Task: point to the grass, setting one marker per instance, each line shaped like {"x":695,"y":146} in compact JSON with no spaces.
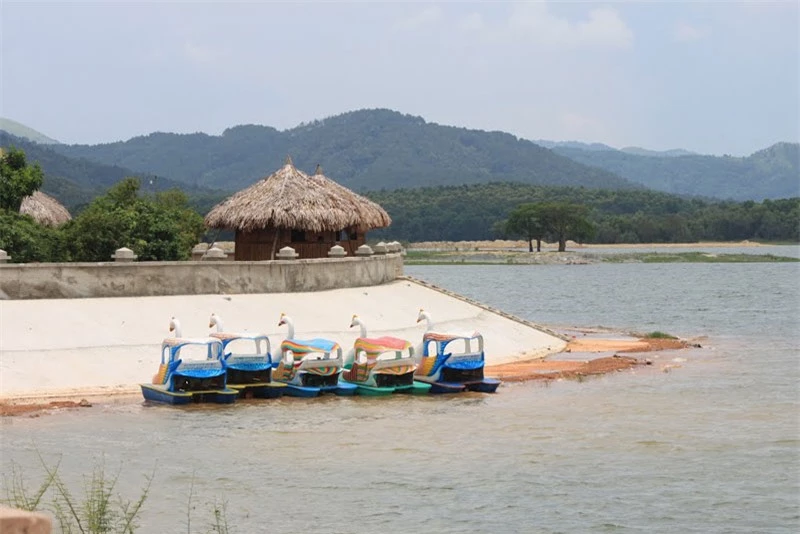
{"x":659,"y":335}
{"x":98,"y":508}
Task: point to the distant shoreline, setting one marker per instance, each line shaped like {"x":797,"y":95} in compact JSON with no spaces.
{"x":500,"y":244}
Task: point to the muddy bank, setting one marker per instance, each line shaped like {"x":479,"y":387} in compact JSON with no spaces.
{"x":554,"y":368}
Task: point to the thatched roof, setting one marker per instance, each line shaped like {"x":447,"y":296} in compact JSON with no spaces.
{"x":44,"y":209}
{"x":290,"y":198}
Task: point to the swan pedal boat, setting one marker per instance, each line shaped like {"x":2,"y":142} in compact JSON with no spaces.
{"x":310,"y":368}
{"x":250,"y":374}
{"x":382,"y":366}
{"x":460,"y":369}
{"x":183,"y":381}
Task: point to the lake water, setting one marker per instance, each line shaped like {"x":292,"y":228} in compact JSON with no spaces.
{"x":711,"y":446}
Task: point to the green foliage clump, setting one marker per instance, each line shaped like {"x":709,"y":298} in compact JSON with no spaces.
{"x":17,"y":179}
{"x":157,"y":227}
{"x":25,"y":240}
{"x":557,"y":220}
{"x":659,"y":335}
{"x":527,"y":220}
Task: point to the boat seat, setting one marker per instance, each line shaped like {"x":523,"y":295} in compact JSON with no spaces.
{"x":214,"y":365}
{"x":464,"y":363}
{"x":247,"y":363}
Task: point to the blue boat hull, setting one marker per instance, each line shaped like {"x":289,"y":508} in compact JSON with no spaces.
{"x":342,"y":389}
{"x":292,"y":390}
{"x":438,"y":388}
{"x":487,"y":385}
{"x":269,"y":390}
{"x":155,"y":393}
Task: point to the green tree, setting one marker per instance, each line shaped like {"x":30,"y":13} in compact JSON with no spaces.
{"x":526,"y":221}
{"x":17,"y":179}
{"x":563,"y":220}
{"x":25,"y":240}
{"x":160,"y":227}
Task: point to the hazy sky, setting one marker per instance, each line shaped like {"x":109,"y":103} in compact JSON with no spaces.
{"x":714,"y":77}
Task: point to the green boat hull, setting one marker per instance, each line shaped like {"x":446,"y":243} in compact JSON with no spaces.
{"x":373,"y":391}
{"x":417,"y":388}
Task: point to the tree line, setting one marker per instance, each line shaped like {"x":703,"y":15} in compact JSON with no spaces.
{"x":479,"y":212}
{"x":165,"y":225}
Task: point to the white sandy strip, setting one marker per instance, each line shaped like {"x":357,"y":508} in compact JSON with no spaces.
{"x":68,"y":347}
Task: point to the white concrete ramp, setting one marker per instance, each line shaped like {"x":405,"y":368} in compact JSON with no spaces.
{"x":106,"y":345}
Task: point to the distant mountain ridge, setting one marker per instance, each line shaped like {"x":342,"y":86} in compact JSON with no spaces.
{"x":594,"y":147}
{"x":25,"y":132}
{"x":383,"y":149}
{"x":75,"y":181}
{"x":771,"y":173}
{"x":363,"y":150}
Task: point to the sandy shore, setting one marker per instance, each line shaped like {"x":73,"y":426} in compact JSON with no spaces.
{"x":68,"y":349}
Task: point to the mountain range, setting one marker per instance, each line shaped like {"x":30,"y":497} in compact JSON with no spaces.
{"x":383,"y":149}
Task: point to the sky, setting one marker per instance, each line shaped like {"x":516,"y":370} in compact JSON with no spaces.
{"x":711,"y":77}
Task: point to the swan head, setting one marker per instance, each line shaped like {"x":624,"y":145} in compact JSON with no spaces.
{"x":282,"y":321}
{"x":354,"y":321}
{"x":422,"y":315}
{"x":213,"y":320}
{"x":173,"y":324}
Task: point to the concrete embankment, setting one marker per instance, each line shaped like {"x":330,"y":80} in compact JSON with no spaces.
{"x":79,"y":347}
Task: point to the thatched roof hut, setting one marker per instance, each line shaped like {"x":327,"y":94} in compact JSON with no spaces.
{"x":289,"y":207}
{"x":44,"y":209}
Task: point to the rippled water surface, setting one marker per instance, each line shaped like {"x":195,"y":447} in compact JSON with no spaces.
{"x":711,"y":446}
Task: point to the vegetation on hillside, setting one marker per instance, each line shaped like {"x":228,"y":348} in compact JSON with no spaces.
{"x":382,"y":149}
{"x":362,"y":150}
{"x":76,"y":181}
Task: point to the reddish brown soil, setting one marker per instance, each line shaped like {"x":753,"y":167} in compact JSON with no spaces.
{"x":623,"y":345}
{"x":34,"y":409}
{"x":554,"y":369}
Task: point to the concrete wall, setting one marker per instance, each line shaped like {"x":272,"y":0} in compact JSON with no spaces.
{"x":92,"y":280}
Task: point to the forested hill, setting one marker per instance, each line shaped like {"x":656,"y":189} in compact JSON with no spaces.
{"x":76,"y":181}
{"x":26,"y":132}
{"x":363,"y":150}
{"x":770,"y":173}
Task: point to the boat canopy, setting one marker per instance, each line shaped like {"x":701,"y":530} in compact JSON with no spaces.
{"x":450,"y":336}
{"x":299,"y":346}
{"x":230,"y":337}
{"x":172,"y":347}
{"x":381,"y":344}
{"x":464,"y":342}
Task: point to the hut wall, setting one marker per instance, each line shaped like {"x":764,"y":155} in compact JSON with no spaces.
{"x":260,"y":244}
{"x":255,"y":246}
